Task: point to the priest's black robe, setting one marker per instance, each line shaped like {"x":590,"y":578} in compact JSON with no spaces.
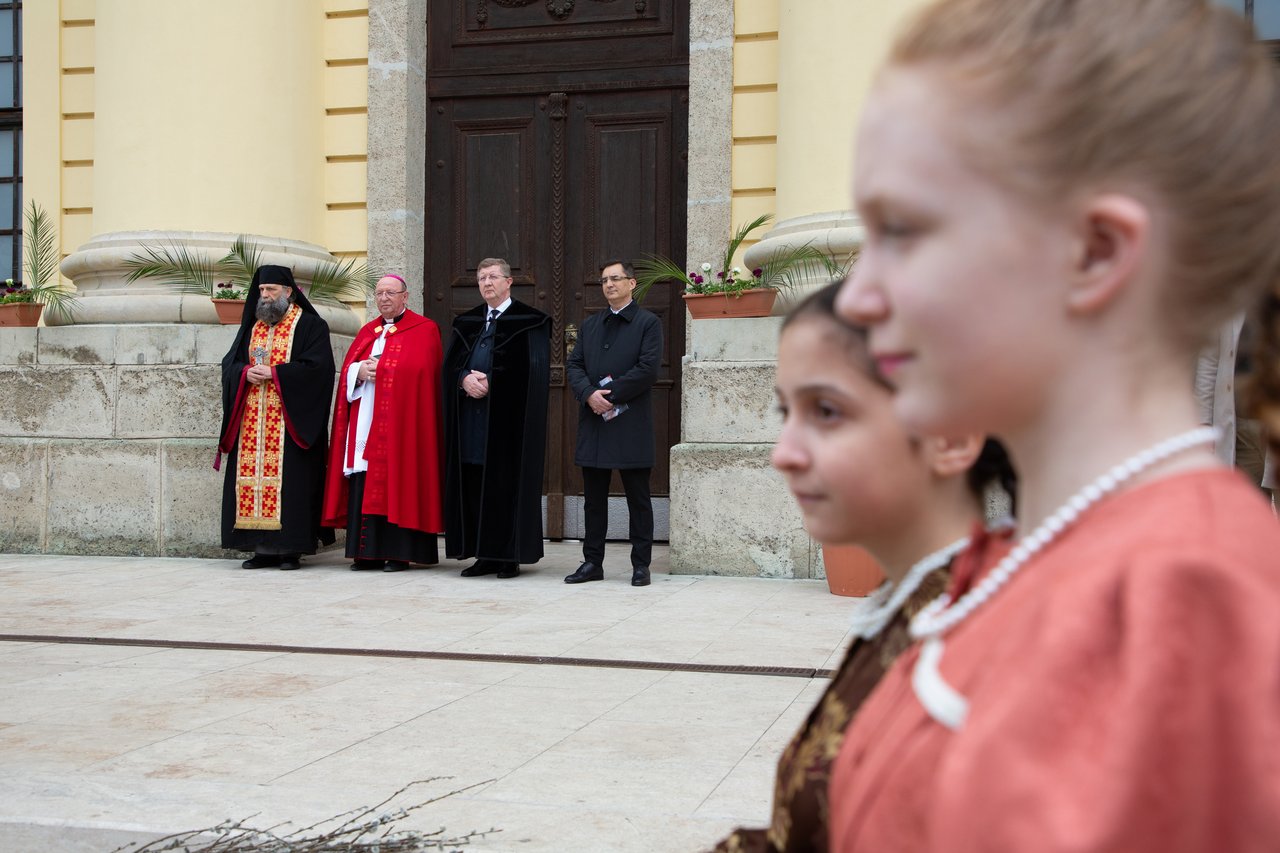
{"x":510,"y":424}
{"x":306,"y":390}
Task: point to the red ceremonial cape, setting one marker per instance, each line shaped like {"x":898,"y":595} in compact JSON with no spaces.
{"x":403,"y":481}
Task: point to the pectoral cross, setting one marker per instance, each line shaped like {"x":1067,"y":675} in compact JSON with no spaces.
{"x":259,"y":356}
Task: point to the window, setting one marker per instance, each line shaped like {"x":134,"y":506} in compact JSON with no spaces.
{"x":10,"y":140}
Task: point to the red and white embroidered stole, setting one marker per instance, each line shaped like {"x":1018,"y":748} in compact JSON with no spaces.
{"x":260,"y":458}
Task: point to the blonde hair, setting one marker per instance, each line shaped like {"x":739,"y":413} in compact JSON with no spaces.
{"x":1171,"y":98}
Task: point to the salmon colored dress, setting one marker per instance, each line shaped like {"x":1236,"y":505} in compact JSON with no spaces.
{"x":1123,"y":689}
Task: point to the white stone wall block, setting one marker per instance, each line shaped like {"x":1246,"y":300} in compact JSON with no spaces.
{"x":168,"y":402}
{"x":191,"y":506}
{"x":87,"y":345}
{"x":729,"y":403}
{"x":23,"y":493}
{"x":58,"y":401}
{"x":18,"y":345}
{"x":104,"y":497}
{"x":731,"y":514}
{"x":735,"y":339}
{"x":159,"y":343}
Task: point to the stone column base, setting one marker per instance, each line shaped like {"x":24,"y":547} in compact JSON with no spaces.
{"x":98,"y":271}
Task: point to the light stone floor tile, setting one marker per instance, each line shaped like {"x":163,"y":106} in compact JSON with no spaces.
{"x":571,"y":758}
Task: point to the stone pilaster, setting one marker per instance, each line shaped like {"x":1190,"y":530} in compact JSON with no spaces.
{"x":731,"y":513}
{"x":397,"y":139}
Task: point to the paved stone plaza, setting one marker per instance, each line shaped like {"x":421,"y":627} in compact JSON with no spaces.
{"x":101,"y":744}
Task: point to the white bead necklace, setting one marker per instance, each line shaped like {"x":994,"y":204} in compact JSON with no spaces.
{"x":941,"y":700}
{"x":888,"y":599}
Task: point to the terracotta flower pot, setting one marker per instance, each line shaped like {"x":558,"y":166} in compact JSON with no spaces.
{"x":230,"y":311}
{"x":748,"y":303}
{"x":20,"y":313}
{"x":851,"y":570}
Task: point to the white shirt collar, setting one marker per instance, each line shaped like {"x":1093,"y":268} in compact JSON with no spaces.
{"x":501,"y":308}
{"x":623,"y":308}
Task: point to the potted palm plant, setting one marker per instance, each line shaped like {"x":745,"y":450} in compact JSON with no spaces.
{"x":226,"y":280}
{"x":730,"y":291}
{"x":22,"y":302}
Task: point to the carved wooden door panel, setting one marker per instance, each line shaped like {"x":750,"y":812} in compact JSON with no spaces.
{"x":577,"y":158}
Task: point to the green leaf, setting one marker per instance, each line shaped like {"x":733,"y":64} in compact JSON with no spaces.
{"x":342,"y":281}
{"x":653,"y":269}
{"x":41,"y":263}
{"x":175,"y":266}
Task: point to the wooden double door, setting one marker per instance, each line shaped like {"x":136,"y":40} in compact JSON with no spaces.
{"x":547,"y":147}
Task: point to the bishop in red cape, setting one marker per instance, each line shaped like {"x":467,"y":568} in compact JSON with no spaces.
{"x":383,"y":483}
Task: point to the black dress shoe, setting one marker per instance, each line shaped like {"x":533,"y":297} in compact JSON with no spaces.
{"x":508,"y":570}
{"x":640,"y":576}
{"x":261,"y":561}
{"x":396,"y":566}
{"x":480,"y":567}
{"x":289,"y":562}
{"x":586,"y":572}
{"x":359,"y":565}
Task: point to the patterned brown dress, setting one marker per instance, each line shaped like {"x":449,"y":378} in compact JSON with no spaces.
{"x":800,"y":807}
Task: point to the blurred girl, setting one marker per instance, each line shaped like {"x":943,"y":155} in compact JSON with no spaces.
{"x":859,"y":477}
{"x":1063,"y":200}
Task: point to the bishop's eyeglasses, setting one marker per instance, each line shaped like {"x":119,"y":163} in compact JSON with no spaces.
{"x":605,"y":279}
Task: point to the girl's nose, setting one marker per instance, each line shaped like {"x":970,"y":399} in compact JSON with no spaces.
{"x":788,"y":453}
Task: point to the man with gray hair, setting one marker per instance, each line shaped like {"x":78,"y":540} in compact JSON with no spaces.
{"x":497,"y":373}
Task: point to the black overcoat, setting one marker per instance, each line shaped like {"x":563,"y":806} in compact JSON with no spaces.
{"x":628,"y":347}
{"x":510,"y":524}
{"x":306,"y":390}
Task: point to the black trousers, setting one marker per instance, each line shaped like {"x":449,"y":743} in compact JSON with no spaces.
{"x":595,"y":490}
{"x":472,"y":484}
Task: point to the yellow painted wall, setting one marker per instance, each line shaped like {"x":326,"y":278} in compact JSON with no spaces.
{"x":755,"y":110}
{"x":801,"y":70}
{"x":202,"y":48}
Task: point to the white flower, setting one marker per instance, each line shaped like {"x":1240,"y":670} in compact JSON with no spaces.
{"x":737,"y":271}
{"x":706,"y":267}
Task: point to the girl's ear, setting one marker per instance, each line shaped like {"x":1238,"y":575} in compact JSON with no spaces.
{"x":1115,"y":230}
{"x":949,"y":457}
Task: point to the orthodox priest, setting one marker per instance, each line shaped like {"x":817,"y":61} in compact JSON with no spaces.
{"x":496,"y":380}
{"x":277,"y":380}
{"x":384,"y":457}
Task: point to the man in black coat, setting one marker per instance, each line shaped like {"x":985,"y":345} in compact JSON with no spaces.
{"x":497,"y":374}
{"x":611,"y":371}
{"x":277,"y":382}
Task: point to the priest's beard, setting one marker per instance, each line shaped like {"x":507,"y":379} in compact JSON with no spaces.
{"x":272,"y":311}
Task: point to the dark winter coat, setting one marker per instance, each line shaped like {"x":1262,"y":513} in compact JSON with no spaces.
{"x":513,"y":417}
{"x":628,"y":347}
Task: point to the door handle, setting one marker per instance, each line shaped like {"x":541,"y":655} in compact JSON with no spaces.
{"x":570,"y":340}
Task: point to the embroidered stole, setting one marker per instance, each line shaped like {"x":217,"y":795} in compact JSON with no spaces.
{"x":260,"y":458}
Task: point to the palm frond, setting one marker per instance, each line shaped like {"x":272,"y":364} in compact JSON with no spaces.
{"x":652,"y":269}
{"x":739,"y":236}
{"x":335,"y":282}
{"x":41,"y":246}
{"x":41,"y":266}
{"x":175,"y":266}
{"x":241,"y":262}
{"x":798,"y":265}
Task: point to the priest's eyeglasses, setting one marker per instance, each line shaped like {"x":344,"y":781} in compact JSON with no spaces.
{"x":605,"y":279}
